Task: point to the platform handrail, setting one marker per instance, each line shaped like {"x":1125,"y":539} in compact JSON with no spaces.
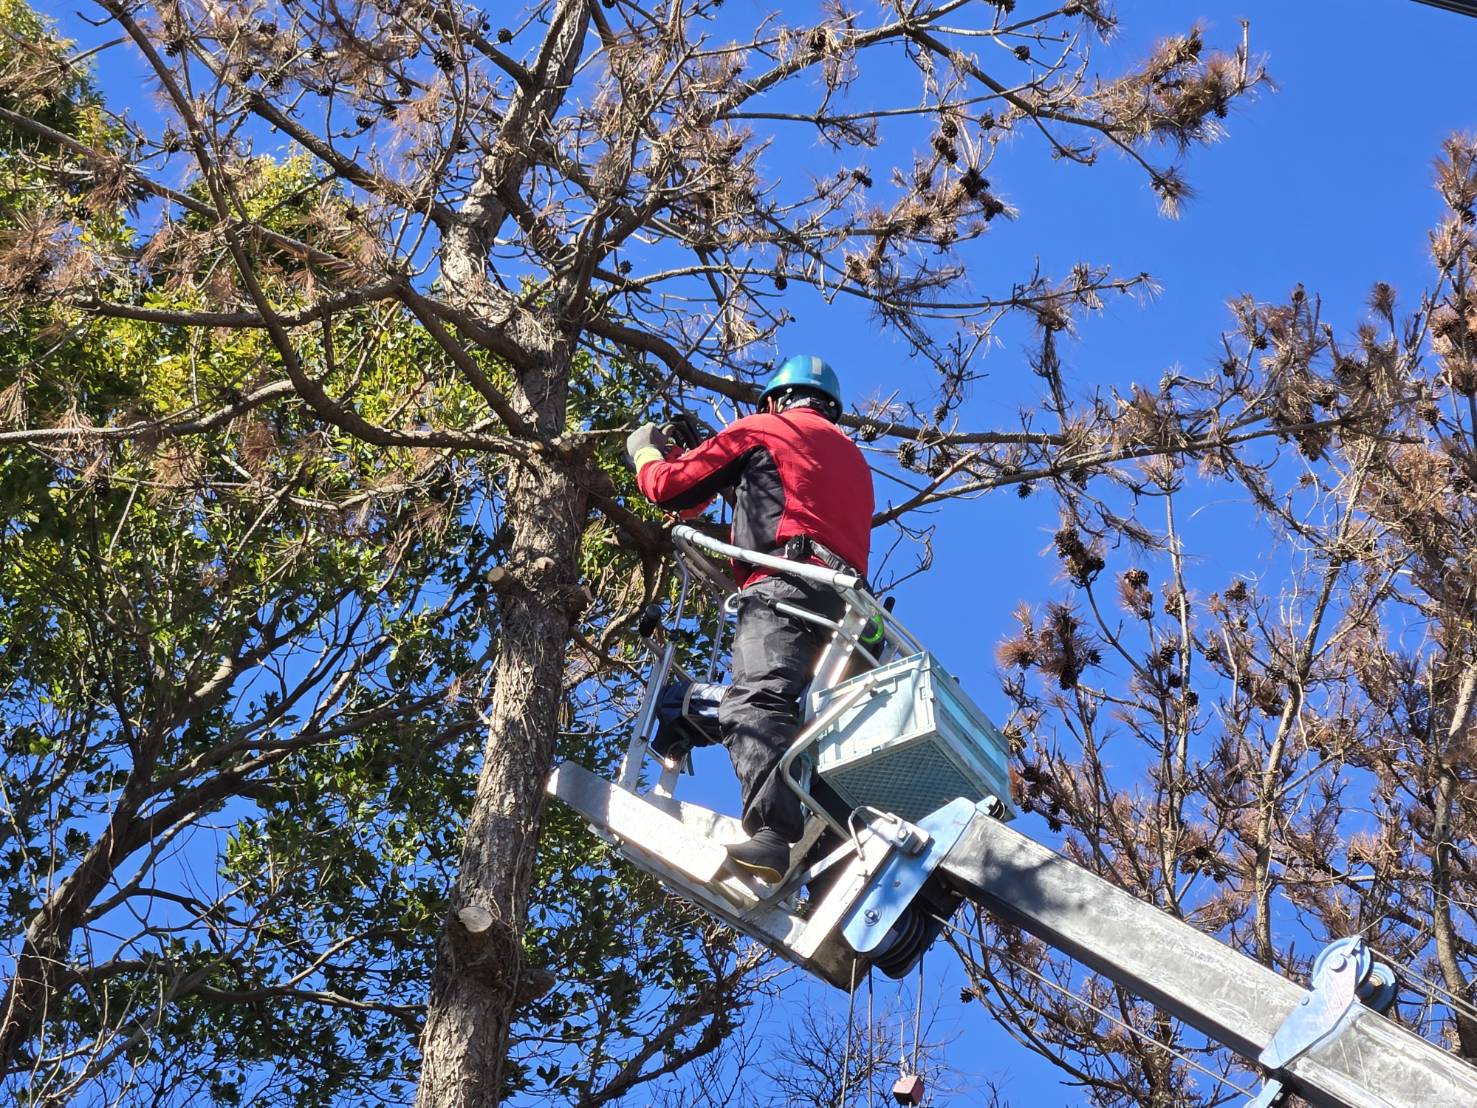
{"x":865,"y":686}
{"x":842,"y":582}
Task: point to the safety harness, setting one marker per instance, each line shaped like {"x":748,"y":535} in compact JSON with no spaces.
{"x":802,"y":548}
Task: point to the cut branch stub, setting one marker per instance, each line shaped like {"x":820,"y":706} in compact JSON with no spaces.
{"x":474,"y":919}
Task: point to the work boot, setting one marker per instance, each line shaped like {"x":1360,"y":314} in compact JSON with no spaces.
{"x":766,"y":855}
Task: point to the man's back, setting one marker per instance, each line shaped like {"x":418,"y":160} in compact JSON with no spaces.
{"x":794,"y":473}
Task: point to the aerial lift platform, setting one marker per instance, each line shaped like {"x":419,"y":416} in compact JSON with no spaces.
{"x":923,"y":776}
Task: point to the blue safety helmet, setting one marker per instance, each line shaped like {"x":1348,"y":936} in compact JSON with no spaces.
{"x":805,"y":371}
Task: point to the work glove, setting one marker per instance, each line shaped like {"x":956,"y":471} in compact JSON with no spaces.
{"x":648,"y":443}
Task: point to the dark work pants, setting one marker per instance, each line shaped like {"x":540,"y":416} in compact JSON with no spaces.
{"x":773,"y":656}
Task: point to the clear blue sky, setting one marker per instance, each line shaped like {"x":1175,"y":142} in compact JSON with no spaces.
{"x":1324,"y":182}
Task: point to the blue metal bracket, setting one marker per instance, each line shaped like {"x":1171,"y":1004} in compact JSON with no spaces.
{"x":903,"y":874}
{"x":1344,"y":975}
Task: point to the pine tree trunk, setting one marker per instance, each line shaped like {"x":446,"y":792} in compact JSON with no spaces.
{"x":475,"y":985}
{"x":474,"y":988}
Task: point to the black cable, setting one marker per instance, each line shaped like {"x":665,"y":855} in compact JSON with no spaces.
{"x":1461,"y":7}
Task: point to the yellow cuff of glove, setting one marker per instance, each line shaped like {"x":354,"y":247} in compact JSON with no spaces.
{"x":645,"y":456}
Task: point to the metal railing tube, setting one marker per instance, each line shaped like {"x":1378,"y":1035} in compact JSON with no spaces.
{"x":865,"y":684}
{"x":636,"y":749}
{"x":819,"y":574}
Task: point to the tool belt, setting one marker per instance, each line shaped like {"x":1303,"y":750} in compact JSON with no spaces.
{"x":802,"y":548}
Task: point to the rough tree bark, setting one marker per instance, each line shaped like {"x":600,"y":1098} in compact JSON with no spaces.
{"x":1443,"y":929}
{"x":474,"y":989}
{"x":475,"y":986}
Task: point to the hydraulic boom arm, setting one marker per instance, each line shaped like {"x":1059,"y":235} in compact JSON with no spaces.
{"x":1371,"y":1062}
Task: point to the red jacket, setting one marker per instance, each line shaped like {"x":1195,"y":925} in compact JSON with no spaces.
{"x":794,"y":473}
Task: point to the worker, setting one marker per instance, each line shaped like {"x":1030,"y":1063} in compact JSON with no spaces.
{"x":800,"y":489}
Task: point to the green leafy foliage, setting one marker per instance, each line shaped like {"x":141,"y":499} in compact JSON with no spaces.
{"x":237,"y":678}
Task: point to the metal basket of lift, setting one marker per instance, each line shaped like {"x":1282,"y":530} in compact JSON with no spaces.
{"x":911,"y":744}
